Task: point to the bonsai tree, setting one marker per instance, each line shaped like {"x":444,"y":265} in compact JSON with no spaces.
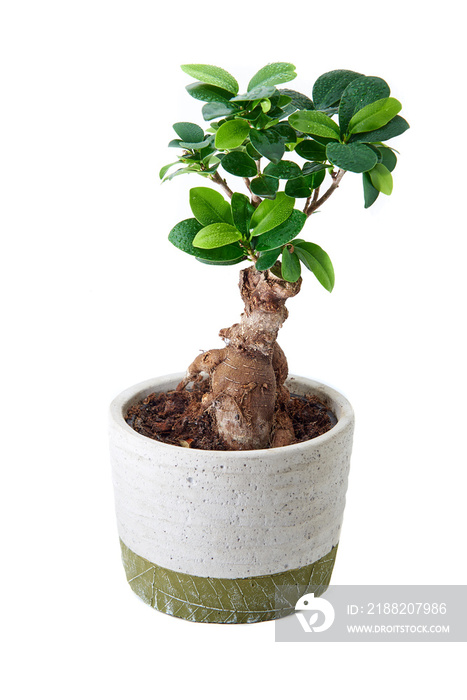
{"x":289,"y":153}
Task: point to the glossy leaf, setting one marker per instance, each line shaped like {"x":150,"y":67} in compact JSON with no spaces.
{"x":355,"y":157}
{"x":256,"y":93}
{"x":264,"y":186}
{"x":208,"y":93}
{"x":316,"y":260}
{"x":183,"y":233}
{"x":209,"y":206}
{"x":359,"y":93}
{"x":216,"y":235}
{"x":316,"y":123}
{"x":240,"y":164}
{"x":187,"y":131}
{"x":286,"y":132}
{"x":395,"y":127}
{"x":271,"y":212}
{"x":283,"y":170}
{"x":252,"y":152}
{"x":370,"y":193}
{"x":164,"y":170}
{"x":215,"y":110}
{"x":196,"y":145}
{"x":310,"y":168}
{"x":268,"y":143}
{"x":242,"y":211}
{"x":232,"y":134}
{"x":212,"y":75}
{"x":329,"y":87}
{"x":290,"y":268}
{"x":297,"y":101}
{"x":282,"y":234}
{"x":225,"y":255}
{"x":374,"y":115}
{"x":388,"y":158}
{"x":273,"y":74}
{"x":299,"y":187}
{"x":311,"y":150}
{"x":316,"y":179}
{"x":267,"y":259}
{"x":381,"y":179}
{"x":182,"y":171}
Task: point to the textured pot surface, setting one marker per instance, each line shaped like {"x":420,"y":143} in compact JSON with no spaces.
{"x":218,"y":515}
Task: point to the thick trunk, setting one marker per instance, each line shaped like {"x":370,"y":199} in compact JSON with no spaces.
{"x":247,"y":395}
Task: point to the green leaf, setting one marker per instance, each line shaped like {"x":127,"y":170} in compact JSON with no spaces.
{"x":252,"y":152}
{"x":388,"y":157}
{"x":359,"y":93}
{"x":316,"y":260}
{"x":232,"y":134}
{"x":282,"y":234}
{"x":381,"y":179}
{"x":312,"y":122}
{"x":283,"y":170}
{"x":355,"y":157}
{"x":242,"y":211}
{"x":310,"y":168}
{"x":216,"y":235}
{"x":298,"y":187}
{"x":268,"y":143}
{"x":311,"y":150}
{"x":225,"y":255}
{"x":286,"y":132}
{"x":257,"y":93}
{"x":273,"y":74}
{"x":329,"y":87}
{"x":374,"y":115}
{"x":166,"y":168}
{"x":209,"y":93}
{"x":195,"y":146}
{"x":209,"y":206}
{"x":297,"y":101}
{"x":265,"y":186}
{"x":239,"y":163}
{"x":370,"y":193}
{"x":183,"y":171}
{"x":215,"y":110}
{"x":183,"y":233}
{"x":290,"y":268}
{"x":212,"y":75}
{"x":187,"y":131}
{"x":267,"y":259}
{"x":317,"y":179}
{"x":271,"y":212}
{"x":395,"y":127}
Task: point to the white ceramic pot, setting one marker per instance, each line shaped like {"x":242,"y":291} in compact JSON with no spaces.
{"x":229,"y":536}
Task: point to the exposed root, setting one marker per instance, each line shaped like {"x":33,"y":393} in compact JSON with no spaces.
{"x":247,"y":377}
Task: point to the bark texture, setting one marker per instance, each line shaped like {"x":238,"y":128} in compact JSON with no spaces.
{"x":247,"y":394}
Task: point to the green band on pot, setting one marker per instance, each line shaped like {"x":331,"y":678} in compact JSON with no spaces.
{"x":235,"y":600}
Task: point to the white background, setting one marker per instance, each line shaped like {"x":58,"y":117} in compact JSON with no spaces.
{"x":95,"y":299}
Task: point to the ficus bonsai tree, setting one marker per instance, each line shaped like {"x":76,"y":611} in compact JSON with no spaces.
{"x":289,"y":153}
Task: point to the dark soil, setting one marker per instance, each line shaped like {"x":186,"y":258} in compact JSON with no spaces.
{"x":179,"y":418}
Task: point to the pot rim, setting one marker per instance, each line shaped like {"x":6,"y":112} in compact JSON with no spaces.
{"x":136,"y":392}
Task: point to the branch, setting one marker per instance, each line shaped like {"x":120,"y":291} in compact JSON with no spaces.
{"x":219,"y":181}
{"x":255,"y":200}
{"x":316,"y":203}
